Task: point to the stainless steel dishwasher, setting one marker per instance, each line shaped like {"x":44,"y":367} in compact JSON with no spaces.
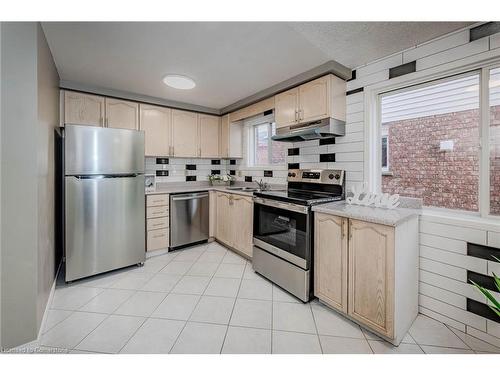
{"x":188,"y":218}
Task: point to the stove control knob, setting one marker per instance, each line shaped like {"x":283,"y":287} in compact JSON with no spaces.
{"x":292,"y":174}
{"x":331,"y":176}
{"x":337,"y":177}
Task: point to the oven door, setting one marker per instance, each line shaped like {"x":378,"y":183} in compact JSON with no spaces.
{"x":283,"y":229}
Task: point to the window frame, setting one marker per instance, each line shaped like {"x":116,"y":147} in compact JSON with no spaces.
{"x":385,"y":170}
{"x":373,"y":137}
{"x":250,"y":129}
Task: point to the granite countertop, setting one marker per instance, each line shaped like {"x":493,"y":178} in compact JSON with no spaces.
{"x":169,"y":188}
{"x":371,"y":214}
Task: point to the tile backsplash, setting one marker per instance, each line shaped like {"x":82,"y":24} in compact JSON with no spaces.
{"x":182,"y":170}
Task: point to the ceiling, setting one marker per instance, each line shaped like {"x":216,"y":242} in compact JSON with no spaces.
{"x":228,"y":60}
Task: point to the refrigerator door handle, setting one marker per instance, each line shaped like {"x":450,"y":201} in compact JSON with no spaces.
{"x":98,"y":176}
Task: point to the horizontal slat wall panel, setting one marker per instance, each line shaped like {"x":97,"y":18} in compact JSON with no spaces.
{"x":443,"y":295}
{"x":453,"y":54}
{"x":436,"y":46}
{"x":450,"y":231}
{"x":438,"y":242}
{"x":453,"y":312}
{"x":442,"y":318}
{"x":463,"y":261}
{"x":443,"y":269}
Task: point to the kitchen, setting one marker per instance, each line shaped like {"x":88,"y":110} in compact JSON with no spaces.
{"x":339,"y":205}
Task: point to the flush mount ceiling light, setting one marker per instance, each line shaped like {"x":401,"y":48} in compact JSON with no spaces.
{"x":179,"y":82}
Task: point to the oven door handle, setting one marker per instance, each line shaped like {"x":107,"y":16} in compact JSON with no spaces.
{"x":282,"y":205}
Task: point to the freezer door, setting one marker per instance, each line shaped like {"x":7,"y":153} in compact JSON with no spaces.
{"x":93,"y":150}
{"x":104,"y":224}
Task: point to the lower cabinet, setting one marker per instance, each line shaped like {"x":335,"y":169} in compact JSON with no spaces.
{"x":235,"y":221}
{"x":330,"y":260}
{"x":368,"y":272}
{"x":371,"y":275}
{"x":157,"y":222}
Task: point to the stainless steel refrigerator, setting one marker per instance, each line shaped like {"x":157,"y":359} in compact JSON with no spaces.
{"x":103,"y":199}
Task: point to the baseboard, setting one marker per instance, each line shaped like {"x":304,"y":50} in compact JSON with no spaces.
{"x":49,"y":303}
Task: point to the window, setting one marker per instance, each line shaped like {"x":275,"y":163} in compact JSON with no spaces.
{"x":494,"y":150}
{"x":262,"y":150}
{"x":433,"y":133}
{"x":385,"y":154}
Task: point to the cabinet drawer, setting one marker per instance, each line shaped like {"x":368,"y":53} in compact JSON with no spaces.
{"x":158,"y":223}
{"x":157,"y":200}
{"x":157,"y":239}
{"x":153,"y":212}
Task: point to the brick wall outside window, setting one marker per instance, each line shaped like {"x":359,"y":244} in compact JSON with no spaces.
{"x":443,"y":179}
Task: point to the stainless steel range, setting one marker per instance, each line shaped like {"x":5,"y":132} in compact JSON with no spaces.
{"x":283,"y":227}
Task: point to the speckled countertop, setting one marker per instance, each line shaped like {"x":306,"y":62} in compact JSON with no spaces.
{"x":372,"y":214}
{"x":186,"y":188}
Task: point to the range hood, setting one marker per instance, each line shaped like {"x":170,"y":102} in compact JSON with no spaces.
{"x":320,"y":129}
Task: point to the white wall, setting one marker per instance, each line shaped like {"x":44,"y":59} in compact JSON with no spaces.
{"x":29,"y":113}
{"x":443,"y":237}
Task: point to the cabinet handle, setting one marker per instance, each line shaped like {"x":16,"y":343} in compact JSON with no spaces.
{"x":350,"y":229}
{"x":343,"y":228}
{"x":300,"y":115}
{"x":101,"y":121}
{"x":159,"y":235}
{"x":173,"y":150}
{"x":295,"y":115}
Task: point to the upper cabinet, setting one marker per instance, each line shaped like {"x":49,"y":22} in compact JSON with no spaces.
{"x":321,"y":98}
{"x":83,"y":109}
{"x":286,"y":108}
{"x":156,"y":122}
{"x":185,"y":135}
{"x":252,"y":110}
{"x":231,"y":138}
{"x":209,"y":130}
{"x":122,"y":114}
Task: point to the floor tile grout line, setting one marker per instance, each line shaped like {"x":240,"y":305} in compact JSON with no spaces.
{"x":107,"y":317}
{"x":316,"y":328}
{"x":232,"y":310}
{"x":191,"y":314}
{"x":458,"y":337}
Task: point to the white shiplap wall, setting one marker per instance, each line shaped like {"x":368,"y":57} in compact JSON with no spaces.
{"x":443,"y":240}
{"x":348,"y":149}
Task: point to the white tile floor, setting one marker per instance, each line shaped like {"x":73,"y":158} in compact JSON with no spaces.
{"x":207,"y":299}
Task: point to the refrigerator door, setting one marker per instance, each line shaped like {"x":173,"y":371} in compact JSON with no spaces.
{"x":92,"y":150}
{"x":104,"y":224}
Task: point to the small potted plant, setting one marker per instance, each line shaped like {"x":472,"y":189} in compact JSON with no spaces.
{"x":494,"y":303}
{"x":220,"y":180}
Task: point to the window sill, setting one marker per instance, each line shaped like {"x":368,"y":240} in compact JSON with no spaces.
{"x":387,"y":173}
{"x":462,"y":218}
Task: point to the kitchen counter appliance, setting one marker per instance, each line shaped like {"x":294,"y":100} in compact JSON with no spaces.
{"x":103,"y":189}
{"x":283,"y":227}
{"x":189,"y":218}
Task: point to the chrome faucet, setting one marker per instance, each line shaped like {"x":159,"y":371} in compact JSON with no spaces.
{"x":263,"y":186}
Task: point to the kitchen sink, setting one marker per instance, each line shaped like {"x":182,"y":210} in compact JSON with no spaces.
{"x":242,"y":188}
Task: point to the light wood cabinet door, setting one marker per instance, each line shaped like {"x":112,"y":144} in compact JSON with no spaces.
{"x":224,"y":137}
{"x":83,"y":109}
{"x":157,"y":125}
{"x":286,"y":106}
{"x":122,"y":114}
{"x":185,"y":141}
{"x":330,"y":260}
{"x":224,"y":226}
{"x":242,"y":221}
{"x":314,"y":100}
{"x":371,"y":276}
{"x":236,"y":140}
{"x":209,"y":130}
